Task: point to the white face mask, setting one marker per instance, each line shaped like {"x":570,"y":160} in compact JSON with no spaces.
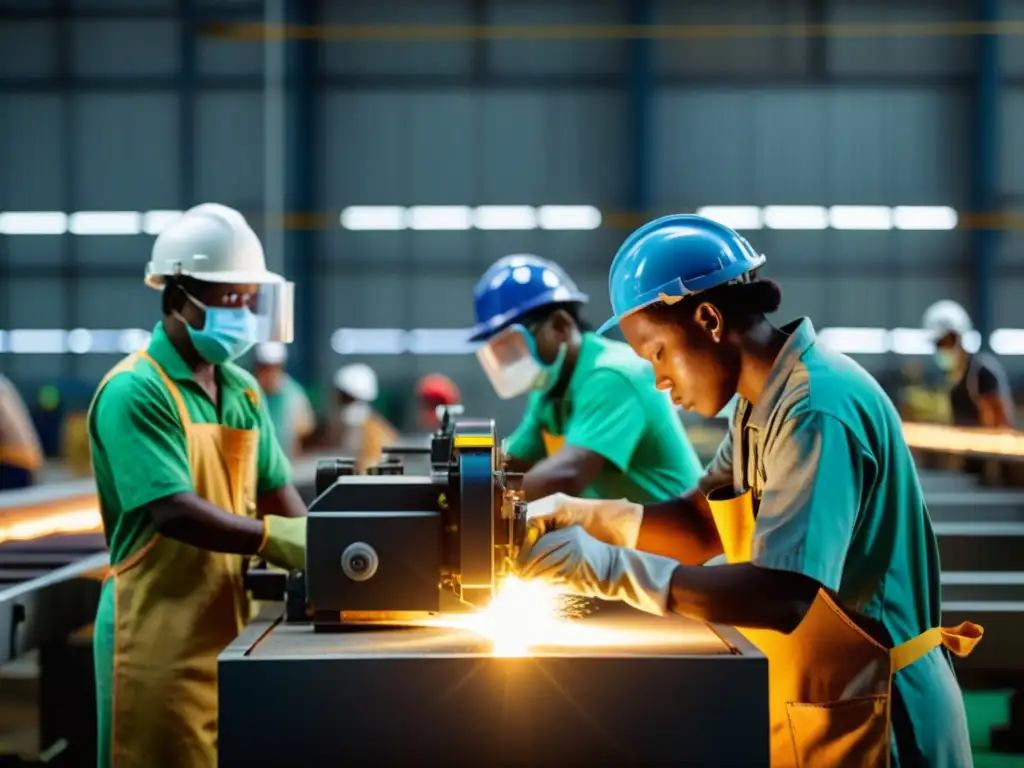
{"x":355,"y":413}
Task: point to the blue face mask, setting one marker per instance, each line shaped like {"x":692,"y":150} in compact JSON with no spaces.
{"x":551,"y":374}
{"x":946,"y":359}
{"x":226,"y":335}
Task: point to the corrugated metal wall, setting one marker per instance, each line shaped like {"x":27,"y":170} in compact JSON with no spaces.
{"x":90,"y":119}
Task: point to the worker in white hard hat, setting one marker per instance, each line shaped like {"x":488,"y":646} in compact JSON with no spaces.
{"x":358,"y":428}
{"x":979,"y":392}
{"x":191,"y":481}
{"x":289,"y":406}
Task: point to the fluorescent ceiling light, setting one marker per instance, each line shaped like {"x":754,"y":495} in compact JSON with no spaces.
{"x":875,"y":217}
{"x":33,"y":223}
{"x":734,"y":216}
{"x":154,"y":222}
{"x":856,"y":341}
{"x":505,"y":217}
{"x":795,"y":217}
{"x":104,"y":223}
{"x":924,"y":217}
{"x":569,"y":217}
{"x":439,"y":217}
{"x":379,"y":217}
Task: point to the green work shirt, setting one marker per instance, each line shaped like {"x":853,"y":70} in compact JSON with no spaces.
{"x":139,"y":451}
{"x":612,"y":408}
{"x":838,"y":499}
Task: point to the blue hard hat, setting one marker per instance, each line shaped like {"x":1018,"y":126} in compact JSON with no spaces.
{"x":674,"y":256}
{"x":516,"y":285}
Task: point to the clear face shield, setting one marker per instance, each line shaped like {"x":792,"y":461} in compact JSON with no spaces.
{"x":266,"y":314}
{"x":509,"y":358}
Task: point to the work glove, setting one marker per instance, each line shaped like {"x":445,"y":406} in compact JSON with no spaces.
{"x":284,"y":542}
{"x":573,"y":559}
{"x":614,"y":521}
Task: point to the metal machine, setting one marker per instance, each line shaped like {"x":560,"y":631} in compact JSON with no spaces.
{"x":387,"y":543}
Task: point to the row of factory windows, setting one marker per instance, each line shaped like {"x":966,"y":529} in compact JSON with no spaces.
{"x":506,"y":218}
{"x":453,"y":341}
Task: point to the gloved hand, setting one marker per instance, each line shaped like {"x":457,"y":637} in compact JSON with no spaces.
{"x":613,"y":521}
{"x":573,"y":559}
{"x":284,"y":541}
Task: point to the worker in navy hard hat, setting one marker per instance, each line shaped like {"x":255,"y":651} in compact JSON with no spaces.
{"x":432,"y":392}
{"x":190,"y":481}
{"x":594,"y":425}
{"x":357,"y":428}
{"x":832,"y":566}
{"x":288,"y":404}
{"x":979,"y":394}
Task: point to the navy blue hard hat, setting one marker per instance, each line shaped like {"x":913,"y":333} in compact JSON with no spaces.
{"x":516,"y":285}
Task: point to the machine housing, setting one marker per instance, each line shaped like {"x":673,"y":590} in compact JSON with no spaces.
{"x":388,"y":543}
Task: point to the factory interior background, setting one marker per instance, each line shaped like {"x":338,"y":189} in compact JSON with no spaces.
{"x":387,"y":153}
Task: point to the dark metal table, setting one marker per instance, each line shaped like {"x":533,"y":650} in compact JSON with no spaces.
{"x":682,"y":692}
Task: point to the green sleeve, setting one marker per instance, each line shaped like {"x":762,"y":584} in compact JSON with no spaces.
{"x":137,"y":429}
{"x":526,"y":442}
{"x":272,"y":468}
{"x":608,"y":418}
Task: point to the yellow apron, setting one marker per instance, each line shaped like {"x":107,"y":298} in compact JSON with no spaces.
{"x":176,"y":608}
{"x":552,"y":443}
{"x":377,"y":434}
{"x":830,"y":683}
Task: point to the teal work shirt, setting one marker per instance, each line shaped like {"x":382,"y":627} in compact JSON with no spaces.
{"x":838,"y":499}
{"x":612,"y":408}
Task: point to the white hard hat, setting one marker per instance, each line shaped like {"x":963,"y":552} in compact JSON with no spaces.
{"x":357,"y":380}
{"x":210,"y":242}
{"x":271,"y":353}
{"x":946,"y":316}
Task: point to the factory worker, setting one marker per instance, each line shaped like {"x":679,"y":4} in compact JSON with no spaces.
{"x":979,"y":392}
{"x":287,"y":402}
{"x":432,"y":392}
{"x":594,"y":424}
{"x":190,"y":480}
{"x":21,"y":453}
{"x":358,"y":429}
{"x":832,"y":565}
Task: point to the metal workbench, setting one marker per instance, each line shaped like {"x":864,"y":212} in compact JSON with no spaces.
{"x":291,"y":696}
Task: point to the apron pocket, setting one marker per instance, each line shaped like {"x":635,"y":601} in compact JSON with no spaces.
{"x":853,"y":733}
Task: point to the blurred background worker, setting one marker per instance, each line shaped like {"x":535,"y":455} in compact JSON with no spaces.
{"x":185,"y":462}
{"x":357,"y":428}
{"x":21,"y":454}
{"x":433,"y":391}
{"x":289,"y":406}
{"x":594,"y":424}
{"x":813,"y":498}
{"x":979,"y":394}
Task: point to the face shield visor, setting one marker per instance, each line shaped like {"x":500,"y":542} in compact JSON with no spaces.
{"x":509,"y":358}
{"x":265,"y":315}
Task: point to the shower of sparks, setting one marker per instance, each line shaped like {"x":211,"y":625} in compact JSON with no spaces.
{"x":525,"y":615}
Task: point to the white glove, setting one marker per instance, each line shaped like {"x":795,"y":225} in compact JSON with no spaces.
{"x":575,"y":560}
{"x":614,"y":521}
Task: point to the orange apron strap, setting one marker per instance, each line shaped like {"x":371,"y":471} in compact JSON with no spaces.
{"x":186,"y":420}
{"x":960,"y":640}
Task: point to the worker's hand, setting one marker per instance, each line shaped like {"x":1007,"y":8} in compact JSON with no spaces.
{"x":614,"y":521}
{"x":284,"y":542}
{"x":573,"y":559}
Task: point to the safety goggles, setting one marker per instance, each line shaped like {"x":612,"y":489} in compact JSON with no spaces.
{"x":267,"y":312}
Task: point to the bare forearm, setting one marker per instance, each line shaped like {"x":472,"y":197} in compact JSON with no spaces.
{"x":284,"y":501}
{"x":192,"y":520}
{"x":570,"y":471}
{"x":742,"y":595}
{"x":681,"y":529}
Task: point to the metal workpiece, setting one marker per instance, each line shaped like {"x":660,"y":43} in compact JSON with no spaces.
{"x":659,"y":691}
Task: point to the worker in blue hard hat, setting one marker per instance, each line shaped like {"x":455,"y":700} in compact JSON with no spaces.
{"x":832,"y":567}
{"x":594,"y":424}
